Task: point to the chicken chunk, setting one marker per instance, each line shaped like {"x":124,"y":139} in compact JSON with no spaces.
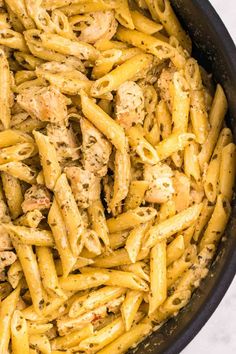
{"x":164,"y":85}
{"x":44,"y":103}
{"x":36,"y":197}
{"x":96,"y":149}
{"x":160,"y":181}
{"x":98,"y":25}
{"x":65,"y":143}
{"x":84,"y":184}
{"x":6,"y":259}
{"x":129,"y":104}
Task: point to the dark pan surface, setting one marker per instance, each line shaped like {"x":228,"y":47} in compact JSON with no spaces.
{"x":216,"y":51}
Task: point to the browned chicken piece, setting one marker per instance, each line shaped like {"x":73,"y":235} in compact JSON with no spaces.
{"x":84,"y":184}
{"x":44,"y":103}
{"x":36,"y":197}
{"x":129,"y":105}
{"x":6,"y":259}
{"x":65,"y":143}
{"x":160,"y":181}
{"x":98,"y":25}
{"x":181,"y":185}
{"x":164,"y":85}
{"x":96,"y":149}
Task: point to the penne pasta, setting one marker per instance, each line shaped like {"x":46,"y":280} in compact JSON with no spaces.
{"x":118,"y":257}
{"x":125,"y":341}
{"x":98,"y":221}
{"x":163,"y":11}
{"x":103,"y":122}
{"x":10,"y":137}
{"x":13,"y":39}
{"x":141,"y":146}
{"x":123,"y":14}
{"x":19,"y":333}
{"x":167,"y":210}
{"x":134,"y":241}
{"x":40,"y":342}
{"x":57,"y":225}
{"x":139,"y":268}
{"x":164,"y":119}
{"x":172,"y":225}
{"x":175,"y":250}
{"x":227,"y":170}
{"x":37,"y":328}
{"x":136,"y":194}
{"x":15,"y":274}
{"x":51,"y":167}
{"x":83,"y":8}
{"x":30,"y":236}
{"x":72,"y":339}
{"x":203,"y":219}
{"x":5,"y":91}
{"x":130,"y":306}
{"x":181,"y":104}
{"x":146,"y":42}
{"x":119,"y":278}
{"x":30,"y":268}
{"x":121,"y":180}
{"x":70,"y":213}
{"x":198,"y":113}
{"x":117,"y":171}
{"x":217,"y":222}
{"x":13,"y":194}
{"x":211,"y":179}
{"x":48,"y":271}
{"x":131,"y":219}
{"x":120,"y":74}
{"x":17,"y":152}
{"x":30,"y":219}
{"x":174,"y":142}
{"x":94,"y":299}
{"x":83,"y":281}
{"x":158,"y":285}
{"x":144,"y":24}
{"x":216,"y":117}
{"x":104,"y":336}
{"x":19,"y":170}
{"x":191,"y":163}
{"x":7,"y":308}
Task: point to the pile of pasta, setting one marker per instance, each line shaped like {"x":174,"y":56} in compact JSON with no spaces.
{"x":117,"y":172}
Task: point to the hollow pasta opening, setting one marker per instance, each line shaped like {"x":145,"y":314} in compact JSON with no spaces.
{"x":102,"y":85}
{"x":161,"y":5}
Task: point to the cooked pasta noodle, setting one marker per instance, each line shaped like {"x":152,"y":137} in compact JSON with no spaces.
{"x":117,"y":172}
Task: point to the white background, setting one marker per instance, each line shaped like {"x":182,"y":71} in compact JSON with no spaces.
{"x":218,"y":336}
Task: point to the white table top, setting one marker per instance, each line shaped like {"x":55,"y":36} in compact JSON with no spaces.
{"x":218,"y":336}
